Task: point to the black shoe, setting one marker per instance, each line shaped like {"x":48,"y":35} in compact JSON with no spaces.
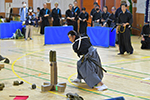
{"x":120,"y":54}
{"x":131,"y":53}
{"x":1,"y":58}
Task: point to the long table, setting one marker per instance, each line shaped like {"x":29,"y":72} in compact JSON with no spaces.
{"x":57,"y":34}
{"x":101,"y":36}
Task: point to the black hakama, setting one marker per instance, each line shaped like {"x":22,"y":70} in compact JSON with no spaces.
{"x":124,"y":36}
{"x":45,"y":21}
{"x":71,"y":14}
{"x":76,"y":10}
{"x":88,"y":66}
{"x":56,"y":14}
{"x":83,"y":25}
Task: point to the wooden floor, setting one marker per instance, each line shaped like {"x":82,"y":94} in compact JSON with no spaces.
{"x":128,"y":75}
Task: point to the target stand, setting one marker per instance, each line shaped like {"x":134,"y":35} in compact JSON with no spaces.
{"x":53,"y":85}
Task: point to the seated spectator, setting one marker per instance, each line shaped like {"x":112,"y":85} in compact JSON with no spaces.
{"x":145,"y":37}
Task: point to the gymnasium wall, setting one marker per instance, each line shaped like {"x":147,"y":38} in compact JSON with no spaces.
{"x":138,"y":15}
{"x":2,"y":8}
{"x":63,"y":4}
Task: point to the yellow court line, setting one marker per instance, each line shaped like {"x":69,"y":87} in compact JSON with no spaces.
{"x":69,"y":79}
{"x":27,"y":81}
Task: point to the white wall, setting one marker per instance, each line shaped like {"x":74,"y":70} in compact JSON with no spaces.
{"x":63,"y":4}
{"x":38,"y":3}
{"x":2,"y":5}
{"x":18,"y":3}
{"x":141,"y":4}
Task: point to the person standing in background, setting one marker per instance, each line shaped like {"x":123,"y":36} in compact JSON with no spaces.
{"x":44,"y":15}
{"x":125,"y":18}
{"x":37,"y":16}
{"x":83,"y":17}
{"x":118,"y":11}
{"x":70,"y":16}
{"x":105,"y":15}
{"x":23,"y":11}
{"x":92,"y":12}
{"x":97,"y":17}
{"x":76,"y":10}
{"x":30,"y":18}
{"x":56,"y":15}
{"x":111,"y":20}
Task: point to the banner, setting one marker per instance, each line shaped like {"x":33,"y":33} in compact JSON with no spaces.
{"x":147,"y":11}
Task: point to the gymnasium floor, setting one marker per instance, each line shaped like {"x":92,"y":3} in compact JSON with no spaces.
{"x":128,"y":75}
